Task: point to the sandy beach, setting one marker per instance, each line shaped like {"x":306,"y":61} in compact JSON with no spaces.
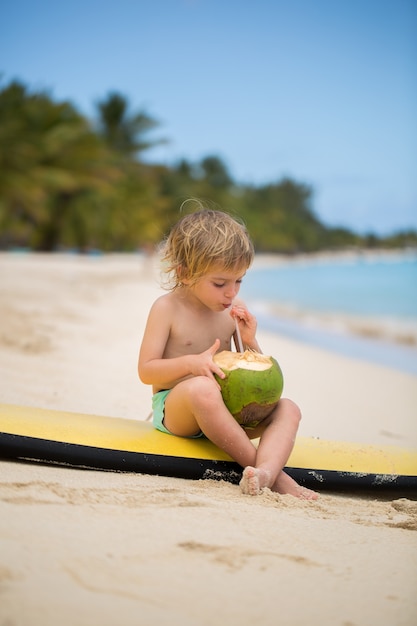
{"x":81,"y":547}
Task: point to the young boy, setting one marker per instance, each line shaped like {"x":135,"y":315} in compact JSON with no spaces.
{"x":206,"y":256}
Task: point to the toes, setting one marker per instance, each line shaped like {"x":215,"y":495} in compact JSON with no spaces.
{"x":250,"y":482}
{"x":308,"y":494}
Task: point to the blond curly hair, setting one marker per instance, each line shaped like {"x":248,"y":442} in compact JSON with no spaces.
{"x":202,"y":240}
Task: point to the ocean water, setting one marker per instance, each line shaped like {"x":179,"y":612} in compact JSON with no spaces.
{"x":363,"y":305}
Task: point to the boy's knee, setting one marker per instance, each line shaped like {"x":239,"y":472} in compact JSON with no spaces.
{"x":291,"y":409}
{"x":204,"y":388}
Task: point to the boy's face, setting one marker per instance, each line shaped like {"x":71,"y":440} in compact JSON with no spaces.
{"x":217,"y":289}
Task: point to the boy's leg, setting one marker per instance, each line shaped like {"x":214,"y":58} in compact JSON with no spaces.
{"x":278,"y":438}
{"x":275,"y":447}
{"x":196,"y":404}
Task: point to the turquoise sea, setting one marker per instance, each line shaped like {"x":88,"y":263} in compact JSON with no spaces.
{"x":360,"y":305}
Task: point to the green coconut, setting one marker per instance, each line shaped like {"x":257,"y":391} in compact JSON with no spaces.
{"x":253,"y":384}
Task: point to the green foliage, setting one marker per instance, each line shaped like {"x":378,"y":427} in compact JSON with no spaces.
{"x":124,"y":132}
{"x":279,"y":217}
{"x":50,"y":159}
{"x":67,"y":184}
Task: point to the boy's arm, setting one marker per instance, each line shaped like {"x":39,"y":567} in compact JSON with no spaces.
{"x":162,"y":372}
{"x":247,"y":326}
{"x":153,"y":369}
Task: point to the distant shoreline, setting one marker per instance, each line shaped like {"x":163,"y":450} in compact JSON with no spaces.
{"x":336,"y":331}
{"x":371,"y":327}
{"x":382,"y":339}
{"x":264,"y":260}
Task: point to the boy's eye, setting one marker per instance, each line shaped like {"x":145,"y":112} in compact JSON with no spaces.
{"x":238,"y":282}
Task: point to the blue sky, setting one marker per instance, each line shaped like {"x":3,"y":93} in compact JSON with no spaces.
{"x":322,"y":91}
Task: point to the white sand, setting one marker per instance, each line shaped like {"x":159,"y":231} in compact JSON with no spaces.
{"x":83,"y":547}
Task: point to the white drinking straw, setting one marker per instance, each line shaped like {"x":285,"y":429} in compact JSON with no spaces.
{"x":239,"y":338}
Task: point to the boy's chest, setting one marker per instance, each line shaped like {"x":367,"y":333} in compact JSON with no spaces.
{"x":193,"y":335}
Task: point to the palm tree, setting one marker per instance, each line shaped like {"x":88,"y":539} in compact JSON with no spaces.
{"x":123,"y":131}
{"x":49,"y":158}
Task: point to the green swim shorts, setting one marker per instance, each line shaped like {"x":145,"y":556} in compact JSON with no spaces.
{"x":158,"y":413}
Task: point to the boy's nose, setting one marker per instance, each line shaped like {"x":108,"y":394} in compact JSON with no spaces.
{"x":231,"y":292}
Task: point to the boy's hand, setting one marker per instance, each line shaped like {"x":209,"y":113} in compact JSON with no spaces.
{"x":203,"y":364}
{"x":247,"y":324}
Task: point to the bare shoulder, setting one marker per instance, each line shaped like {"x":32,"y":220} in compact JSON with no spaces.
{"x":164,"y":303}
{"x":162,"y":312}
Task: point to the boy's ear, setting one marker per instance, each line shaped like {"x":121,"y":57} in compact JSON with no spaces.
{"x":182,"y":275}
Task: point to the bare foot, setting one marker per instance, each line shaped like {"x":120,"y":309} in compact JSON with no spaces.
{"x":284,"y":484}
{"x":254,"y":479}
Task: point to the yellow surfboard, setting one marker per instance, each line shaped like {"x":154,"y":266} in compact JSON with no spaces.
{"x":118,"y":444}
